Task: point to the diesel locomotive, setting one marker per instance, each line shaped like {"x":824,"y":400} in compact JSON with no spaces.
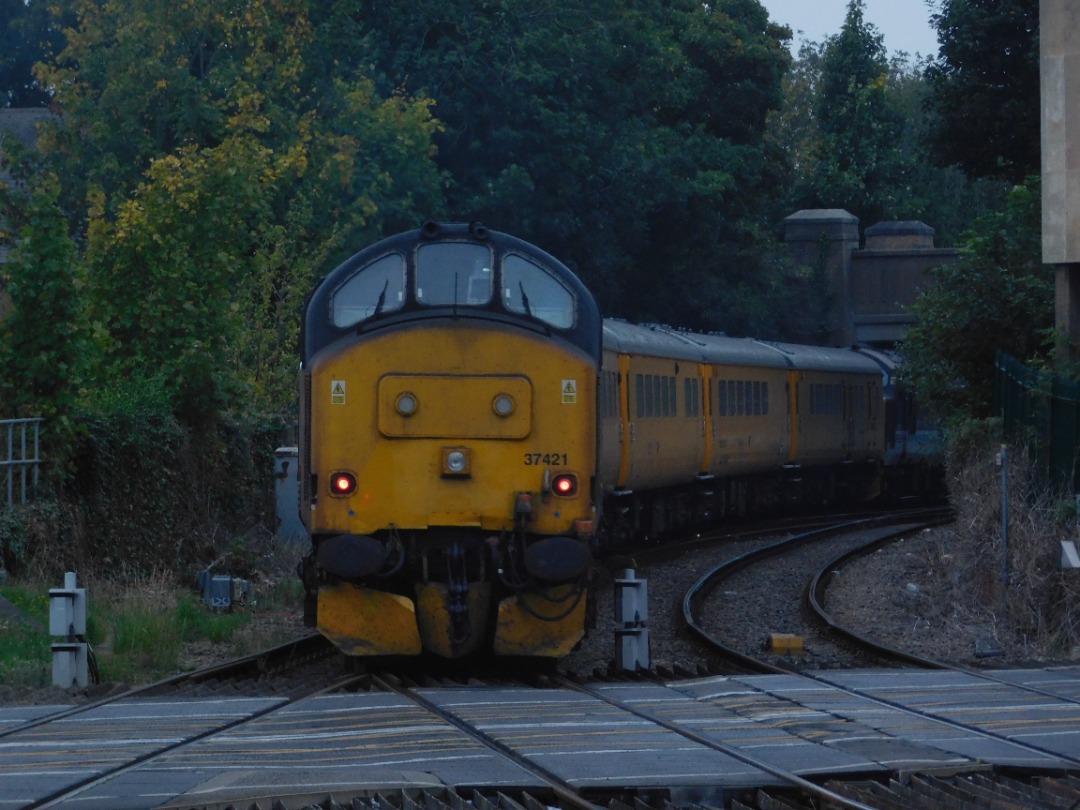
{"x":472,"y":433}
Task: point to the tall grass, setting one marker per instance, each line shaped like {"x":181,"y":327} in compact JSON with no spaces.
{"x":25,"y":658}
{"x":138,"y":629}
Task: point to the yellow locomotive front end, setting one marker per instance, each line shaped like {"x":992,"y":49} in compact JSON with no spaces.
{"x":448,"y":448}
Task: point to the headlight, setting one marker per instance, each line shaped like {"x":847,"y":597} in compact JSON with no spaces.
{"x":456,"y":462}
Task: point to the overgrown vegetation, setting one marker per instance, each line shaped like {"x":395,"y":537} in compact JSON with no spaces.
{"x":141,"y":491}
{"x":1008,"y":583}
{"x":998,"y":295}
{"x":142,"y":628}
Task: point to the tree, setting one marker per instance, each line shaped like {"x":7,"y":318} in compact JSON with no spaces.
{"x":626,"y":138}
{"x":944,"y":197}
{"x":912,"y":188}
{"x":42,"y":335}
{"x":997,"y":295}
{"x":27,"y":36}
{"x":218,"y":174}
{"x":985,"y":87}
{"x":850,"y":158}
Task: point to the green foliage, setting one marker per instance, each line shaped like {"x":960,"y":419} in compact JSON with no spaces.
{"x":626,"y":138}
{"x":137,"y":629}
{"x":143,"y":491}
{"x":41,"y":337}
{"x":219,"y":173}
{"x":998,"y":295}
{"x":146,"y":641}
{"x":903,"y":184}
{"x":222,"y":158}
{"x":25,"y":649}
{"x":849,"y":128}
{"x":23,"y":530}
{"x":26,"y":36}
{"x":164,"y":268}
{"x":985,"y":87}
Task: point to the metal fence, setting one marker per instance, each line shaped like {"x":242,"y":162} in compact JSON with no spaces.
{"x":1042,"y":410}
{"x":23,"y":460}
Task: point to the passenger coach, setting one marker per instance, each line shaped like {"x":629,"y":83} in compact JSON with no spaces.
{"x":695,"y":426}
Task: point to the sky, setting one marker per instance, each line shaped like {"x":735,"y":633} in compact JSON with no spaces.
{"x":905,"y":24}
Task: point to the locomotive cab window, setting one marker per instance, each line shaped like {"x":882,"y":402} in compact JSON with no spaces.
{"x":528,"y":289}
{"x":378,"y":287}
{"x":453,"y":274}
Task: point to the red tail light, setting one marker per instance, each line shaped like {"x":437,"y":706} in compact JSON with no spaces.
{"x":565,"y":484}
{"x":342,"y":483}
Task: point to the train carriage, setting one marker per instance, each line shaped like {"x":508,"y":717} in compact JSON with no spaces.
{"x":472,"y":432}
{"x":713,"y":425}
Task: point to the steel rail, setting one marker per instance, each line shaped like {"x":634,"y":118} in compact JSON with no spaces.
{"x":566,"y":793}
{"x":816,"y":598}
{"x":788,"y":777}
{"x":72,"y":791}
{"x":709,"y":581}
{"x":259,"y":663}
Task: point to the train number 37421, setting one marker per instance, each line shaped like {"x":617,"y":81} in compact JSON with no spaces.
{"x":546,"y":459}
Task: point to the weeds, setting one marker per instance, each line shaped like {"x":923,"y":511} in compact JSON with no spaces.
{"x":1003,"y":552}
{"x":24,"y":641}
{"x":139,"y":628}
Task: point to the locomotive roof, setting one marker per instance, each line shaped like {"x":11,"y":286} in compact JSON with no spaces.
{"x":320,"y":328}
{"x":664,"y":341}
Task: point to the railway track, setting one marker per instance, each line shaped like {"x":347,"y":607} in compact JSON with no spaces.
{"x":519,"y":748}
{"x":280,"y":670}
{"x":743,"y":621}
{"x":486,"y":742}
{"x":502,"y":740}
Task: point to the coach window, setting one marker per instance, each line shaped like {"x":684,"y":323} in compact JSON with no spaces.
{"x":528,"y":289}
{"x":691,"y":404}
{"x":378,"y":287}
{"x":453,"y":274}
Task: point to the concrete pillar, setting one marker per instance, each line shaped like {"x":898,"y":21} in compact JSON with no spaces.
{"x":828,"y":235}
{"x":1059,"y":20}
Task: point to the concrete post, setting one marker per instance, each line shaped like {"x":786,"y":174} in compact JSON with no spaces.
{"x":67,"y":621}
{"x":631,"y":622}
{"x":1059,"y":20}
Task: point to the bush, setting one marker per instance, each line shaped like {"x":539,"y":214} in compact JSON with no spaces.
{"x":142,"y":492}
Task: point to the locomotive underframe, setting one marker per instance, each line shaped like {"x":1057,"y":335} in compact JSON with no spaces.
{"x":454,"y":591}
